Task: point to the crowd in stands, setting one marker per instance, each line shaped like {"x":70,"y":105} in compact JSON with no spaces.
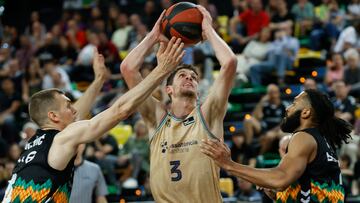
{"x":271,"y":39}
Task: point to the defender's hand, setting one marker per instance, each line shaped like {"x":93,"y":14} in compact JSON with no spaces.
{"x":170,"y":56}
{"x":218,"y":151}
{"x":99,"y":67}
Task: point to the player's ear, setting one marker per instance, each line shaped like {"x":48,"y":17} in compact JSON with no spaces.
{"x":53,"y":116}
{"x":168,"y":89}
{"x":306,"y":113}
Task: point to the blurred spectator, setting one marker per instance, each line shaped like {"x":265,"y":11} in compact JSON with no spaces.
{"x":281,"y":16}
{"x":109,"y":51}
{"x":329,"y":22}
{"x":356,"y":179}
{"x":5,"y":56}
{"x":303,"y":11}
{"x":136,"y":151}
{"x":68,"y":53}
{"x":34,"y":17}
{"x":354,"y":10}
{"x":37,"y":35}
{"x":15,"y":73}
{"x":349,"y":38}
{"x":113,"y":14}
{"x":310,"y":84}
{"x":254,"y":52}
{"x":104,"y":152}
{"x":280,"y":56}
{"x":266,"y":117}
{"x":25,"y":52}
{"x":55,"y":77}
{"x":352,"y":70}
{"x":10,"y":101}
{"x":28,"y":130}
{"x":89,"y":184}
{"x":347,"y":173}
{"x":120,"y":36}
{"x":32,"y":80}
{"x":334,"y":69}
{"x":86,"y":54}
{"x":246,"y":192}
{"x":344,"y":104}
{"x":150,"y":14}
{"x":210,"y":7}
{"x":76,"y":36}
{"x":50,"y":46}
{"x":239,"y":152}
{"x":251,"y":20}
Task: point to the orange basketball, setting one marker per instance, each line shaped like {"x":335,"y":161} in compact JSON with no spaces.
{"x":183,"y":20}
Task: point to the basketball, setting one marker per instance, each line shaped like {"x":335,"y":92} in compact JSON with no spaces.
{"x":183,"y":20}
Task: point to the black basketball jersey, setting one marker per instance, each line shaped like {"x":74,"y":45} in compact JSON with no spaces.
{"x":321,"y":180}
{"x":33,"y":179}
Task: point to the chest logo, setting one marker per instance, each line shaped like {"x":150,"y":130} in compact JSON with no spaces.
{"x":164,"y":146}
{"x":189,"y":121}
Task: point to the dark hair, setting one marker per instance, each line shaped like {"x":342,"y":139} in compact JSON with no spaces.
{"x":40,"y":103}
{"x":336,"y":130}
{"x":170,"y":79}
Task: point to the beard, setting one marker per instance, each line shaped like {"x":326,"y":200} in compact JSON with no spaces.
{"x":290,"y":123}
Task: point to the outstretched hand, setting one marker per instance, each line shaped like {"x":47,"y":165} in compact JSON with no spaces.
{"x":217,"y":150}
{"x":156,"y":30}
{"x":99,"y":67}
{"x":170,"y":55}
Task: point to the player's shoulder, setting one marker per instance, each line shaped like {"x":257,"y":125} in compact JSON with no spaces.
{"x":302,"y":139}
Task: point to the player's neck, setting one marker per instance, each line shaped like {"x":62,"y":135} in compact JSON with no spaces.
{"x":181,"y":107}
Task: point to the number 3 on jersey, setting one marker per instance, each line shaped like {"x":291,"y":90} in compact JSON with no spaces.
{"x":176,"y":174}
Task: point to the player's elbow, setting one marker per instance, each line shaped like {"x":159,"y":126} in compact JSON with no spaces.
{"x":281,"y":183}
{"x":230,"y":65}
{"x":123,"y":111}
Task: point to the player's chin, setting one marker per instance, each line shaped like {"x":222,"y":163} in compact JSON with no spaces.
{"x":188,"y":92}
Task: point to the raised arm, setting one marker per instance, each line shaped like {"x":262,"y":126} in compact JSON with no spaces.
{"x":220,"y":90}
{"x":85,"y":102}
{"x":130,"y":69}
{"x":302,"y":149}
{"x":85,"y":131}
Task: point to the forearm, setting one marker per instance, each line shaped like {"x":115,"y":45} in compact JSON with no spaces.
{"x":266,"y":178}
{"x":222,"y":51}
{"x":131,"y":65}
{"x":133,"y":98}
{"x":85,"y":102}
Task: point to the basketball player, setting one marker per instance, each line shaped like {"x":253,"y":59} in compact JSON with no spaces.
{"x":179,"y":172}
{"x":44,"y":170}
{"x":309,"y":171}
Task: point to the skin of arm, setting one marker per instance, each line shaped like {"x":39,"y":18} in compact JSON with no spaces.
{"x":66,"y":141}
{"x":130,"y":69}
{"x":215,"y":105}
{"x":85,"y":102}
{"x":302,"y":150}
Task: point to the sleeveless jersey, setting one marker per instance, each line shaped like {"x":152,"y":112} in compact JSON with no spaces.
{"x":321,"y":180}
{"x":179,"y":171}
{"x":33,"y":179}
